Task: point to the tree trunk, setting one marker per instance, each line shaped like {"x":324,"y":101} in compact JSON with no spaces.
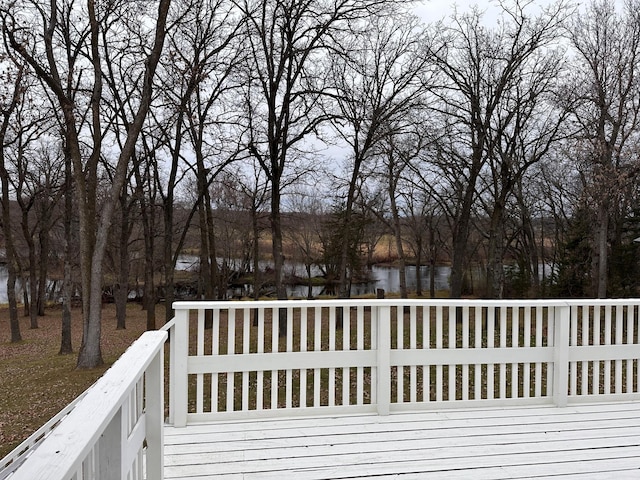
{"x":344,"y":287}
{"x":459,"y":259}
{"x":66,"y":346}
{"x":309,"y":283}
{"x":14,"y":322}
{"x":121,"y":293}
{"x":149,"y":294}
{"x":462,"y":226}
{"x":31,"y":286}
{"x":495,"y":269}
{"x":418,"y":265}
{"x":602,"y":233}
{"x":205,"y":286}
{"x":397,"y":230}
{"x":43,"y":266}
{"x":432,"y":261}
{"x":90,"y":353}
{"x":256,"y":254}
{"x":149,"y":298}
{"x":169,"y":293}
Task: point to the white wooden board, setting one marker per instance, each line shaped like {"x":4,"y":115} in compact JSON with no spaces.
{"x":579,"y":442}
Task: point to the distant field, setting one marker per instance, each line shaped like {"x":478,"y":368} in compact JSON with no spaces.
{"x":36,"y":382}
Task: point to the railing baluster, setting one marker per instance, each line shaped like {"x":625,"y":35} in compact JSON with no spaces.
{"x":231,"y":349}
{"x":373,"y":325}
{"x":526,"y":343}
{"x":465,"y":346}
{"x":246,"y":348}
{"x":317,"y":346}
{"x":383,"y":370}
{"x":360,"y":347}
{"x":275,"y":337}
{"x":538,"y":367}
{"x":180,"y":380}
{"x":561,"y":355}
{"x":346,"y":345}
{"x":451,"y":345}
{"x":585,"y":342}
{"x":629,"y":361}
{"x":200,"y":351}
{"x":413,"y":343}
{"x":573,"y":366}
{"x":332,"y":347}
{"x":215,"y":351}
{"x":154,"y":411}
{"x":260,"y":386}
{"x":491,"y":319}
{"x":303,"y":348}
{"x":400,"y":347}
{"x":618,"y":341}
{"x":477,"y":343}
{"x":636,"y":321}
{"x":503,"y":344}
{"x":607,"y":342}
{"x":515,"y":343}
{"x":289,"y":371}
{"x":439,"y":340}
{"x":596,"y":342}
{"x":426,"y":345}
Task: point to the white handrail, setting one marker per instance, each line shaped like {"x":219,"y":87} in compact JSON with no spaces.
{"x":105,"y":435}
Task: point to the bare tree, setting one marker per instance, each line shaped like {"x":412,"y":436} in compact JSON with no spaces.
{"x":61,"y":69}
{"x":378,"y":80}
{"x":480,"y":69}
{"x":287,"y":42}
{"x":10,"y":100}
{"x":193,"y":80}
{"x":607,"y":93}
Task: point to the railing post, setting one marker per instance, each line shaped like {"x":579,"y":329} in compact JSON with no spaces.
{"x":180,"y":387}
{"x":154,"y":411}
{"x":383,"y":370}
{"x":562,"y":316}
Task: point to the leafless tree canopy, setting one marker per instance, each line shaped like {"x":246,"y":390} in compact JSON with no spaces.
{"x":156,"y":150}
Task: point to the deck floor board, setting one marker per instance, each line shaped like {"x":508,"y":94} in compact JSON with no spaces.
{"x":578,"y":442}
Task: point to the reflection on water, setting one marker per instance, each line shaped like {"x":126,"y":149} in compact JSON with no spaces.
{"x":388,"y":279}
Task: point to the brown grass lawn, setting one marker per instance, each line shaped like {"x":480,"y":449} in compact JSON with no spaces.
{"x":36,"y":382}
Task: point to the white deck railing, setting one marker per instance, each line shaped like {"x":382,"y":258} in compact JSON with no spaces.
{"x":228,"y":360}
{"x":353,"y":356}
{"x":111,"y":432}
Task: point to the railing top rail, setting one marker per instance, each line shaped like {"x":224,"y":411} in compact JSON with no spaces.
{"x":392,"y":302}
{"x":76,"y":434}
{"x":167,"y":326}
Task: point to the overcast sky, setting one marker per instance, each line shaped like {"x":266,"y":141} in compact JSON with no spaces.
{"x":434,"y":10}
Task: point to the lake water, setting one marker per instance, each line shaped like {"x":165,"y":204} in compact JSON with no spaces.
{"x":384,"y":277}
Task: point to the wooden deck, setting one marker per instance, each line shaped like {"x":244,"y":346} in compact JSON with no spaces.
{"x":578,"y":442}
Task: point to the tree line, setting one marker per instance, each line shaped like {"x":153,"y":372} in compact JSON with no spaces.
{"x":134,"y":131}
